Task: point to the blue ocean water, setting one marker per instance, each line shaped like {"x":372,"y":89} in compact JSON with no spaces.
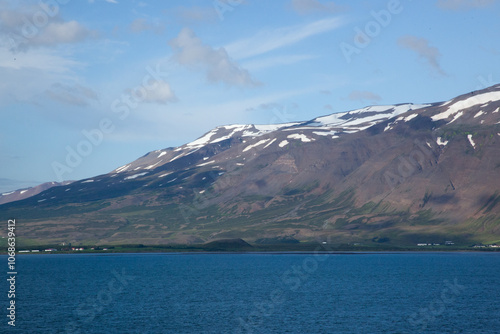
{"x":256,"y":293}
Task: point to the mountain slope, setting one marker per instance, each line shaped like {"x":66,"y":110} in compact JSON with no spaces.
{"x":19,"y":194}
{"x":396,"y":174}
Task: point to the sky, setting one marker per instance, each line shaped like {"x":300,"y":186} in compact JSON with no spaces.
{"x":87,"y":86}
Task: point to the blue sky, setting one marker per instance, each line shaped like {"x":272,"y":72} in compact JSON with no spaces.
{"x":88,"y":86}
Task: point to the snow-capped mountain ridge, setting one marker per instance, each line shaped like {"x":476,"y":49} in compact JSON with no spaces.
{"x":331,"y":125}
{"x":392,"y":172}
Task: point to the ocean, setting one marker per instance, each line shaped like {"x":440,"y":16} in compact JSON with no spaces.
{"x":255,"y":293}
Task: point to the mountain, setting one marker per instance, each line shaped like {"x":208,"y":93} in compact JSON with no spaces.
{"x":8,"y":185}
{"x":392,"y":175}
{"x":22,"y":193}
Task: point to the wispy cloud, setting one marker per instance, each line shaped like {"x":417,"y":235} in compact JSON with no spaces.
{"x":464,"y":4}
{"x":141,"y":24}
{"x":76,"y":94}
{"x":422,"y":48}
{"x":269,"y":40}
{"x":304,"y":7}
{"x":190,"y":51}
{"x":358,"y":95}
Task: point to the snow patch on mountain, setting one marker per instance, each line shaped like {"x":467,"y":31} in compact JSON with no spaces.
{"x":471,"y":141}
{"x":131,"y":177}
{"x":205,"y":163}
{"x":122,"y":168}
{"x":328,"y":133}
{"x":441,"y":142}
{"x":479,"y":114}
{"x":469,"y":102}
{"x":302,"y":137}
{"x":260,"y":142}
{"x":272,"y":141}
{"x":152,"y":166}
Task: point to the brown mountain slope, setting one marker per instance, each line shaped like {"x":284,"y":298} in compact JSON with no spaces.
{"x":395,"y":174}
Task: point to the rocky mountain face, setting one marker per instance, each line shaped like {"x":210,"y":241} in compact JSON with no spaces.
{"x":397,"y":174}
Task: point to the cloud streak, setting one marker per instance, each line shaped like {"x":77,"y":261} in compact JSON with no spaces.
{"x":422,"y":48}
{"x":269,"y":40}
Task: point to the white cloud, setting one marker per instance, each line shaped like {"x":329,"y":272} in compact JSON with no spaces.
{"x":464,"y":4}
{"x":304,"y":7}
{"x":422,"y":48}
{"x":269,"y":40}
{"x":61,"y":33}
{"x":160,"y":93}
{"x":19,"y":31}
{"x":190,"y":51}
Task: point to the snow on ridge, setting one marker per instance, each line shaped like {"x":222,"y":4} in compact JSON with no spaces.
{"x":474,"y":100}
{"x":383,"y":111}
{"x":87,"y":181}
{"x":471,"y":141}
{"x":283,"y":143}
{"x":273,"y":127}
{"x":162,"y":154}
{"x":203,"y":140}
{"x":23,"y":191}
